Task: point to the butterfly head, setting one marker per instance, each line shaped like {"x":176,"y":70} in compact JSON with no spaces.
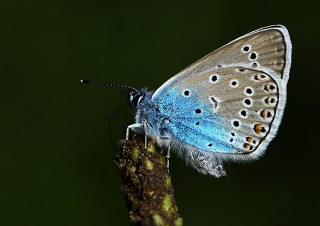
{"x":135,"y":96}
{"x":139,"y":97}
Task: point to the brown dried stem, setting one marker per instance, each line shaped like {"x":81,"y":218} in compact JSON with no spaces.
{"x":147,"y":185}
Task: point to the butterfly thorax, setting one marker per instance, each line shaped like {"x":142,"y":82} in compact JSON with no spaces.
{"x":149,"y":112}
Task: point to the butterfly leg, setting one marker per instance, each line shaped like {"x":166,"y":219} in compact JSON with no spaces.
{"x":133,"y":127}
{"x":168,"y":158}
{"x":141,"y":125}
{"x":144,"y":123}
{"x":167,"y":142}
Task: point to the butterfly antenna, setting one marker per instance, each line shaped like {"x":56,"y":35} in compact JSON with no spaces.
{"x":108,"y":84}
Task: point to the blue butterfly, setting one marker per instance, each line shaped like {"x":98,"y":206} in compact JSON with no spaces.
{"x":226,"y":106}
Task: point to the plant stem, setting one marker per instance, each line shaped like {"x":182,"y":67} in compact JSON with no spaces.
{"x":147,"y":185}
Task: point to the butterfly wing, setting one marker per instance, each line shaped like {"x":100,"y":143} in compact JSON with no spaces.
{"x":266,"y":49}
{"x":231,"y":101}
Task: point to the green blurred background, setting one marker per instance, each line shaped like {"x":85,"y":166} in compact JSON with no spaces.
{"x":56,"y":155}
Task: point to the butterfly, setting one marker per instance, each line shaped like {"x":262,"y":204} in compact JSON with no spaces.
{"x":226,"y":106}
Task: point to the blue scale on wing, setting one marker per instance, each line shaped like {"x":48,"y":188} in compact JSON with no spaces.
{"x":194,"y":123}
{"x":165,"y":103}
{"x":206,"y":136}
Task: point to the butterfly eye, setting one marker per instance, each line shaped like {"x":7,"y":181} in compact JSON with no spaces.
{"x":134,"y":98}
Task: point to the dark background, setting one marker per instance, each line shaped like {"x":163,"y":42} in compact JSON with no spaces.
{"x":56,"y":155}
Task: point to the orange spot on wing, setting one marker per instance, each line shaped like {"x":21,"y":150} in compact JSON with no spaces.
{"x":246,"y":146}
{"x":257,"y":128}
{"x":263,"y":113}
